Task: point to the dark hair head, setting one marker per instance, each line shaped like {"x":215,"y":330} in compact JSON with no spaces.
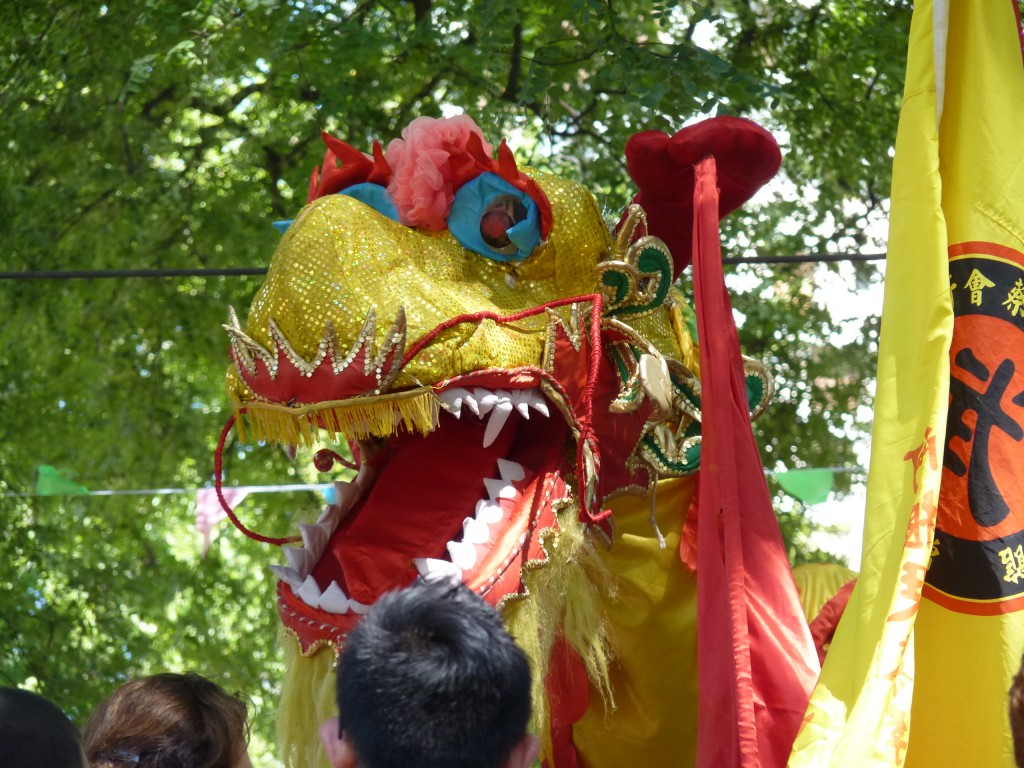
{"x":34,"y":732}
{"x":431,"y":679}
{"x":167,"y":721}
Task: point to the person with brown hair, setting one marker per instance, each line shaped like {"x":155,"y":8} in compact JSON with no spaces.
{"x":35,"y":732}
{"x":169,"y":721}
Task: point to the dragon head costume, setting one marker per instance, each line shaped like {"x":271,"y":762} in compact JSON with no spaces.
{"x":514,"y":379}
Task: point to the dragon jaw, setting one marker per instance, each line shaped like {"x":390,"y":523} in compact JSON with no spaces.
{"x":406,"y":515}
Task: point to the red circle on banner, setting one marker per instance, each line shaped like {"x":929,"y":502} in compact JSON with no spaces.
{"x":977,"y":564}
{"x":991,"y":341}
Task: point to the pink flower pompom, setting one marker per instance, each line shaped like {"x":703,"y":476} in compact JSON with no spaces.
{"x":429,"y":163}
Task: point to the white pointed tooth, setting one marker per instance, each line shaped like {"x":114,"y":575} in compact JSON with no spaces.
{"x":498,"y":418}
{"x":314,"y":537}
{"x":309,"y":592}
{"x":540,"y":405}
{"x":510,"y":470}
{"x":357,"y":608}
{"x":487,"y":400}
{"x":453,"y":398}
{"x":288,"y":575}
{"x":431,"y":568}
{"x":489,"y":511}
{"x":299,"y":559}
{"x":325,"y":516}
{"x":334,"y":599}
{"x":499,"y":489}
{"x":346,"y":495}
{"x":505,"y":397}
{"x":462,"y":553}
{"x":455,"y":393}
{"x":475,"y":531}
{"x":521,"y":401}
{"x":470,"y":402}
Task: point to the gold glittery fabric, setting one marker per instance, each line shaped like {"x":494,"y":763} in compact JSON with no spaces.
{"x":340,"y":259}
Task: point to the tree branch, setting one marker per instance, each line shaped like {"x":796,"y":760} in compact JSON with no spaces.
{"x":421,"y":11}
{"x":515,"y":65}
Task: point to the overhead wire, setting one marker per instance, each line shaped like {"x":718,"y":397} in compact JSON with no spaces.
{"x":99,"y":274}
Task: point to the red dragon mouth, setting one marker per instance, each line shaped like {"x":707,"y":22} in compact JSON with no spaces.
{"x":466,"y":487}
{"x":407,"y":515}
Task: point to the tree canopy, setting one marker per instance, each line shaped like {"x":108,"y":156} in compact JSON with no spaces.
{"x":172,"y":133}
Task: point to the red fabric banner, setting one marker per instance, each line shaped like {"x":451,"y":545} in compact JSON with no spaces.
{"x":756,"y":660}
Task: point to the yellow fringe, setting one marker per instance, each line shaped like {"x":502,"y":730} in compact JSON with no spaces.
{"x":357,"y":417}
{"x":563,"y":595}
{"x":689,"y":353}
{"x":307,"y":699}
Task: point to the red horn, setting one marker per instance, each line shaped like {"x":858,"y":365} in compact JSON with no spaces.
{"x":355,"y":168}
{"x":381,"y":173}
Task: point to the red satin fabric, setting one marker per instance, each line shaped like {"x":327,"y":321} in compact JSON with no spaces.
{"x":756,"y":660}
{"x":662,"y":167}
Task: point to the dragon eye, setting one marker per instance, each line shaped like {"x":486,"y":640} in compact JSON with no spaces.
{"x":494,"y":219}
{"x":503,"y":213}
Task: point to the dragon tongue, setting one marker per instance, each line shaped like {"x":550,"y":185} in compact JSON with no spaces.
{"x":417,"y":504}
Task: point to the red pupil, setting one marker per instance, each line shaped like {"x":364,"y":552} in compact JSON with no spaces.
{"x":494,"y":225}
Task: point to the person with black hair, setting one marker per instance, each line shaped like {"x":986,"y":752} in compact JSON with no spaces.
{"x":34,"y":732}
{"x":431,"y":679}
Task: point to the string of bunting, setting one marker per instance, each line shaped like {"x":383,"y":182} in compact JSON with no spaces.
{"x":94,"y":274}
{"x":51,"y":481}
{"x":811,"y":485}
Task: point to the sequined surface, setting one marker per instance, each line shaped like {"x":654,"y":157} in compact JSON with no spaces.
{"x":341,"y":259}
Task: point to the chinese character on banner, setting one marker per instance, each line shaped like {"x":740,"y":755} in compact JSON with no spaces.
{"x":976,"y":283}
{"x":1015,"y":298}
{"x":1013,"y":559}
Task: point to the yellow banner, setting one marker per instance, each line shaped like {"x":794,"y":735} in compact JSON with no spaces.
{"x":923,"y":681}
{"x":970,"y":627}
{"x":859,"y":713}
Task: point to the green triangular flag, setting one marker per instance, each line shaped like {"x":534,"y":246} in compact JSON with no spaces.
{"x":51,"y":482}
{"x":811,"y":486}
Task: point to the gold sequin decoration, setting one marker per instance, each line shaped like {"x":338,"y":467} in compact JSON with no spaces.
{"x":341,"y":260}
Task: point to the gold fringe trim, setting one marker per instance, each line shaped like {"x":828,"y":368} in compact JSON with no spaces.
{"x":564,"y":595}
{"x":307,"y":699}
{"x":357,"y":417}
{"x":689,"y":354}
